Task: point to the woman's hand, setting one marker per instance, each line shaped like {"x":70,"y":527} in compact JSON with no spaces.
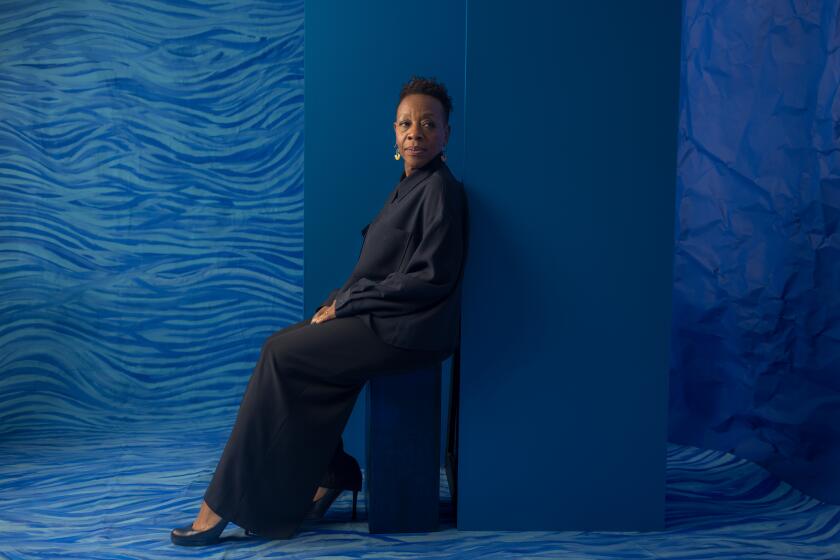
{"x":324,"y":314}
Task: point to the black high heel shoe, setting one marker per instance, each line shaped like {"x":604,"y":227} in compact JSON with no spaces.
{"x":319,"y":508}
{"x":322,"y":504}
{"x":187,"y":536}
{"x":344,"y":474}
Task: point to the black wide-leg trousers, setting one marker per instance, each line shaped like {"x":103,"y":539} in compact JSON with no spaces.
{"x":289,"y":425}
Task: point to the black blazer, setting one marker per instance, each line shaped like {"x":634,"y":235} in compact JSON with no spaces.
{"x":406,"y":284}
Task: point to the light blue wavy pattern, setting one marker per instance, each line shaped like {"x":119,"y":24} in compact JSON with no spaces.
{"x":151,"y":205}
{"x":118,"y":495}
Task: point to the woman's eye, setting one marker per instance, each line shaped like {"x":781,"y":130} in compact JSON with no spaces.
{"x":428,"y":124}
{"x":404,"y":123}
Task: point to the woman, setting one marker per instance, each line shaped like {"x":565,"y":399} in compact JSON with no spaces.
{"x":398,"y":310}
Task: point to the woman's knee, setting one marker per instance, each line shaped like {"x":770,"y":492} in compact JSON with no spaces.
{"x":287,"y":329}
{"x":276,"y":355}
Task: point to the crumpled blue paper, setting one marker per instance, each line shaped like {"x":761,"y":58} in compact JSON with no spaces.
{"x":756,"y":326}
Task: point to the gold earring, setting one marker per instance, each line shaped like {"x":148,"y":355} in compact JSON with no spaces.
{"x":396,"y":152}
{"x":443,"y":154}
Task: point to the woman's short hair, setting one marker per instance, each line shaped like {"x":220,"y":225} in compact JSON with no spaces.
{"x":428,"y":86}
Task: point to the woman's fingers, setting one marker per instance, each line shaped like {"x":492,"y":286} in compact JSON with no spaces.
{"x":317,"y":317}
{"x":324,"y":314}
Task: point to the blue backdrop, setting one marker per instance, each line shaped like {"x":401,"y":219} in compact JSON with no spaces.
{"x":151,"y":206}
{"x":569,"y":146}
{"x":756,"y":315}
{"x":151,"y":219}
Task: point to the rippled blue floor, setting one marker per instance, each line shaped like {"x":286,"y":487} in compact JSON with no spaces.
{"x":116,"y":495}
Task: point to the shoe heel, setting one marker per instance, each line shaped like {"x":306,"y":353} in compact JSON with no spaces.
{"x":355,"y":493}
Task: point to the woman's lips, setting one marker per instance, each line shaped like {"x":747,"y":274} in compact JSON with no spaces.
{"x":414,"y":151}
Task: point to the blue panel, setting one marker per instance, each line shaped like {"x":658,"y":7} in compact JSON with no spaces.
{"x":356,"y":62}
{"x":570,"y":161}
{"x":756,"y":364}
{"x":151,"y":206}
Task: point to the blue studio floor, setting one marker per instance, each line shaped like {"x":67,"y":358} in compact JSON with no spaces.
{"x":116,"y":495}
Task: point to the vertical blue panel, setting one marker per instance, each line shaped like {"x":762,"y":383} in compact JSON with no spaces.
{"x":570,"y":162}
{"x":357,"y":58}
{"x":151,"y":206}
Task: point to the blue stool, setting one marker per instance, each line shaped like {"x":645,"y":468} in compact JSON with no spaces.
{"x":402,"y":450}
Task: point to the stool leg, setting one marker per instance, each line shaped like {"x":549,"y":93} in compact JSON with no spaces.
{"x":403,"y":452}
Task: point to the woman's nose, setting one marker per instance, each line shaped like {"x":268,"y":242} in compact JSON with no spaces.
{"x":414,"y":132}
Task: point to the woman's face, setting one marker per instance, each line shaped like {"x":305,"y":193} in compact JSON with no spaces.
{"x":421,"y":130}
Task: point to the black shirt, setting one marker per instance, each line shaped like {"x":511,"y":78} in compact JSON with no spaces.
{"x":406,"y":284}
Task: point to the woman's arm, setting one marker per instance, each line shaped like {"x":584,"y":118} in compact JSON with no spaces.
{"x":431,"y":274}
{"x":326,"y":309}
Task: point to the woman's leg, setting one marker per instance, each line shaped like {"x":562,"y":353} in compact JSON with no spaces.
{"x":290,"y":421}
{"x":206,"y":517}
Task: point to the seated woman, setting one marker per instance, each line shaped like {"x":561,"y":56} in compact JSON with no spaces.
{"x":398,"y":310}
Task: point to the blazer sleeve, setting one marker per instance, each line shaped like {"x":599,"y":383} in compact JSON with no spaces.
{"x":329,"y":299}
{"x":431,"y":274}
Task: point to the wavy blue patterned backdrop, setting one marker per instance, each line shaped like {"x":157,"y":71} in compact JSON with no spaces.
{"x":151,"y":219}
{"x":756,"y":341}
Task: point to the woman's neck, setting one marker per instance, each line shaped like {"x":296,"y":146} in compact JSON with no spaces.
{"x":408,"y":170}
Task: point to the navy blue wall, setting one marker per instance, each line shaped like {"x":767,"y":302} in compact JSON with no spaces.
{"x":356,"y":62}
{"x":569,"y":165}
{"x":570,"y":161}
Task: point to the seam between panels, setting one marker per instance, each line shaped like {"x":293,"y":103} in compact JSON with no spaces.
{"x":466,"y":105}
